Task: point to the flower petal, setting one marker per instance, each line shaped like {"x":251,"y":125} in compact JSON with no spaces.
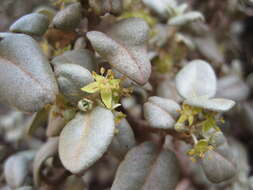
{"x":106,"y":96}
{"x":91,"y":88}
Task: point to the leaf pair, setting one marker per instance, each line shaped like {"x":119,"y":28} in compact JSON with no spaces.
{"x":161,"y":112}
{"x":196,"y":82}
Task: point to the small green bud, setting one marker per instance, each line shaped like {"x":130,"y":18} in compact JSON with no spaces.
{"x":85,"y":105}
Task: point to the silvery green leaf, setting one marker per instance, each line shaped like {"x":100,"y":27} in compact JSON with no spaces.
{"x":159,"y":7}
{"x":106,"y":6}
{"x":124,"y":47}
{"x":85,"y":139}
{"x":58,"y":118}
{"x":31,"y":24}
{"x":215,"y":104}
{"x":169,"y":106}
{"x":71,"y":78}
{"x":232,"y":87}
{"x":68,"y":18}
{"x":186,"y":18}
{"x":16,"y":170}
{"x":146,"y":167}
{"x":197,"y":78}
{"x":49,"y":149}
{"x":80,"y":57}
{"x":160,"y":112}
{"x":123,"y":140}
{"x":217,"y":167}
{"x":38,"y":119}
{"x":25,"y":71}
{"x":219,"y":164}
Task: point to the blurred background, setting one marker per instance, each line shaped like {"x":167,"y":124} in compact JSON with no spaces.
{"x":227,"y":44}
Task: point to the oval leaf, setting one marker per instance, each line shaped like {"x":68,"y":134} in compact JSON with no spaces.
{"x":161,"y":112}
{"x":123,"y":46}
{"x":71,"y":78}
{"x":216,"y":104}
{"x":80,"y":57}
{"x":68,"y":18}
{"x":218,"y":164}
{"x":31,"y":24}
{"x":85,"y":139}
{"x":197,"y":78}
{"x":49,"y":149}
{"x":25,"y":71}
{"x":146,"y":167}
{"x":217,"y":168}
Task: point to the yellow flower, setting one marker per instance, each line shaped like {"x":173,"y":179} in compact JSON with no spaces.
{"x":199,"y":149}
{"x":108,"y":87}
